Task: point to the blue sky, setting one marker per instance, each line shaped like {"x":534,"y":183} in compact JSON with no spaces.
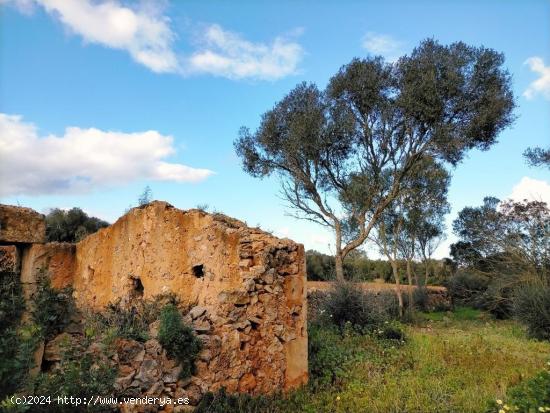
{"x":100,"y":99}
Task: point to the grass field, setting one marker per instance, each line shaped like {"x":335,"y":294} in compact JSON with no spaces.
{"x":451,"y":362}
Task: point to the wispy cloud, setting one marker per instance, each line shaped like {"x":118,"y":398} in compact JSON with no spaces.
{"x":382,"y":45}
{"x":83,"y":159}
{"x":146,"y":35}
{"x":227,"y":54}
{"x":542,"y":84}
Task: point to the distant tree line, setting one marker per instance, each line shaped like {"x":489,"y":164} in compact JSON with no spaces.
{"x":358,"y":267}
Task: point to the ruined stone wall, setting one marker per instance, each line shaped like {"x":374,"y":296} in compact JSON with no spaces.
{"x":247,"y":288}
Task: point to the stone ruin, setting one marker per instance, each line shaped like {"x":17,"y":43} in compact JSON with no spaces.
{"x":246,"y":290}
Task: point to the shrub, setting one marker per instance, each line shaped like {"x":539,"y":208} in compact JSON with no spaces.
{"x":532,"y":395}
{"x":16,"y":344}
{"x":131,"y":323}
{"x":78,"y":374}
{"x":328,"y":358}
{"x":52,"y":309}
{"x":178,"y":339}
{"x":421,"y":298}
{"x":347,"y":303}
{"x":531,"y":305}
{"x":12,"y":302}
{"x":466,"y":288}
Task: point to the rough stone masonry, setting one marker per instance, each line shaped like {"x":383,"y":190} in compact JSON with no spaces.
{"x":246,"y":289}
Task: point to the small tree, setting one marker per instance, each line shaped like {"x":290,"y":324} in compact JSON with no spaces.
{"x":344,"y":153}
{"x":146,"y":196}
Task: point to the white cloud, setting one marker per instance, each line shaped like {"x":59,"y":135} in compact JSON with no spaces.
{"x":383,"y":45}
{"x":542,"y":84}
{"x":227,"y":54}
{"x":83,"y":159}
{"x":145,"y":33}
{"x":532,"y":190}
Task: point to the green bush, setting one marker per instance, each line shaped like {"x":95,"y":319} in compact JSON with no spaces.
{"x":328,"y":357}
{"x":12,"y":302}
{"x":52,"y":309}
{"x":532,"y":395}
{"x":531,"y":306}
{"x":178,"y":339}
{"x":466,"y":288}
{"x":78,"y":374}
{"x":347,"y":303}
{"x":16,"y":344}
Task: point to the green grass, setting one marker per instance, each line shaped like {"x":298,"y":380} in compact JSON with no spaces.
{"x":452,"y":362}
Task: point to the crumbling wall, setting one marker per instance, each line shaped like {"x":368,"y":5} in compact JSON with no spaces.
{"x":247,"y":289}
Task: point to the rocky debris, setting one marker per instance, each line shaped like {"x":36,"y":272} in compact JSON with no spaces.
{"x":9,"y":258}
{"x":54,"y":349}
{"x":21,"y":225}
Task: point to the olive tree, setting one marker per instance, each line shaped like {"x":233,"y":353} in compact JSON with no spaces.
{"x":343,"y":153}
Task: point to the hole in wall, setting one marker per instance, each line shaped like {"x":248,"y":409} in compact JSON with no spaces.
{"x":198,"y":270}
{"x":138,"y":287}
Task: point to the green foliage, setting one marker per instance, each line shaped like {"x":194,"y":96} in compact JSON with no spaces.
{"x":532,"y":395}
{"x":532,"y":307}
{"x":466,"y":288}
{"x":347,"y":303}
{"x":12,"y":302}
{"x":329,"y":359}
{"x":358,"y":267}
{"x":79,"y":374}
{"x":51,"y":308}
{"x":128,"y":322}
{"x":178,"y":339}
{"x":538,"y":156}
{"x":71,"y":226}
{"x":16,"y":344}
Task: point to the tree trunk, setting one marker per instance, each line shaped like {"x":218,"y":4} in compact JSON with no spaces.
{"x":397,"y":286}
{"x":339,"y":264}
{"x":410,"y":278}
{"x":338,"y":257}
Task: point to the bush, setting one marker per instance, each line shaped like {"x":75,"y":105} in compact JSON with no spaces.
{"x":16,"y":344}
{"x":12,"y":302}
{"x":178,"y":339}
{"x":532,"y":395}
{"x":466,"y":288}
{"x":347,"y":303}
{"x":531,"y":306}
{"x":52,"y":309}
{"x":328,"y":357}
{"x":78,"y":374}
